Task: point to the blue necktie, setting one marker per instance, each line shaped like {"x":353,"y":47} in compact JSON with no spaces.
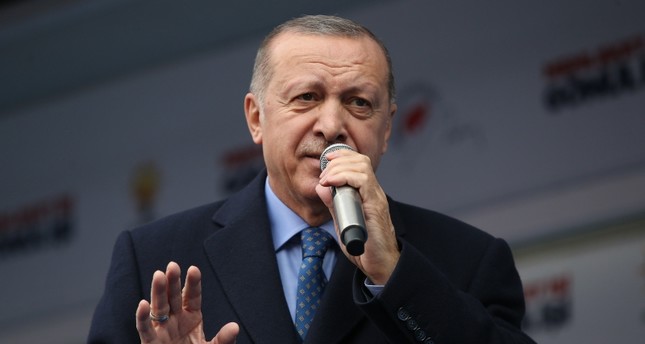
{"x":311,"y":278}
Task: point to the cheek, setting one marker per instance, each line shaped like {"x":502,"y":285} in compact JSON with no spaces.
{"x":371,"y":141}
{"x":370,"y":136}
{"x":279,"y":144}
{"x":291,"y":131}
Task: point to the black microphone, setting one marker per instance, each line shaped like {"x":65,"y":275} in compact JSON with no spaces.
{"x":348,"y":209}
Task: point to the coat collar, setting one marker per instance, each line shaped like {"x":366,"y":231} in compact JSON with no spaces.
{"x":243,"y":260}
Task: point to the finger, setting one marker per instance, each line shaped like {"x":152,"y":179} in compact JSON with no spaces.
{"x":144,"y":326}
{"x":192,"y":295}
{"x":227,"y":334}
{"x":325,"y":194}
{"x":342,"y":158}
{"x":173,"y":275}
{"x":354,"y":171}
{"x":159,"y":294}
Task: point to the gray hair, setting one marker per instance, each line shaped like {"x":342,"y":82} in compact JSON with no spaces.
{"x":323,"y":25}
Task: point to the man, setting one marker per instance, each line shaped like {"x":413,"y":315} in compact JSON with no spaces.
{"x":423,"y":277}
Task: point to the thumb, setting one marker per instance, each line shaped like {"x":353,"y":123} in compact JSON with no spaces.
{"x":227,"y":334}
{"x":324,"y":192}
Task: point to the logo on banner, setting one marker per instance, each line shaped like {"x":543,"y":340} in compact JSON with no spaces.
{"x":144,"y":188}
{"x":609,"y":71}
{"x":240,"y":166}
{"x":548,"y":303}
{"x":36,"y":226}
{"x":424,"y":119}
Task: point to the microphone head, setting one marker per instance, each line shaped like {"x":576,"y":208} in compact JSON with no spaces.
{"x":331,"y":148}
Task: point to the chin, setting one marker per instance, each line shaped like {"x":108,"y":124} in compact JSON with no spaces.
{"x":307,"y":188}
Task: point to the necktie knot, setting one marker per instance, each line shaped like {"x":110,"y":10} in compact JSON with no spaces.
{"x":315,"y":242}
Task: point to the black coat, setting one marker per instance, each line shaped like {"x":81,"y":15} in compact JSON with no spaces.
{"x":453,"y":283}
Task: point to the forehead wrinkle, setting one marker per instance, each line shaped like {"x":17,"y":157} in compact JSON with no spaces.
{"x":352,"y":85}
{"x":334,"y":57}
{"x":338,"y":60}
{"x":304,"y":82}
{"x":333,"y":66}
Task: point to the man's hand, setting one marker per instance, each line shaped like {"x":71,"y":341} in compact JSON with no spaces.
{"x":381,"y":255}
{"x":177,"y":314}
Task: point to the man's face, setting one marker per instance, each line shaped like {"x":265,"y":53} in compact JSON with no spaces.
{"x":323,"y":90}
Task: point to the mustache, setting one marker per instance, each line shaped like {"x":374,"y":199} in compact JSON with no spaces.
{"x":313,"y":147}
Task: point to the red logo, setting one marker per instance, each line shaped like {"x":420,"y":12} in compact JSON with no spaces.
{"x":424,"y":120}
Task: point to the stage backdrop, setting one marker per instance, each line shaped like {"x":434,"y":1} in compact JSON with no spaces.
{"x":526,"y":119}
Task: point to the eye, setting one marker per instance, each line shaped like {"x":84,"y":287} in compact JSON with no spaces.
{"x":360,"y":102}
{"x":360,"y":107}
{"x":306,"y":97}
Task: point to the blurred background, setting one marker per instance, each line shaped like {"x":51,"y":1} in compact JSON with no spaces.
{"x":526,"y":119}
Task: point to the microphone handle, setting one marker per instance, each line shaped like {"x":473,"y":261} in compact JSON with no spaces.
{"x":351,"y":221}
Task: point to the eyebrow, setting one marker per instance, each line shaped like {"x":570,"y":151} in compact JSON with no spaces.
{"x":306,"y":82}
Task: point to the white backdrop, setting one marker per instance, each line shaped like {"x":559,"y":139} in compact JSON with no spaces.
{"x":474,"y":138}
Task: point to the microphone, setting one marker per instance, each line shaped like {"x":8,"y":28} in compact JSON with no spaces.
{"x":348,"y":209}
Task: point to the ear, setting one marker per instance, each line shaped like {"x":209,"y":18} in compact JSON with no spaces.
{"x":388,"y":128}
{"x":253,"y":120}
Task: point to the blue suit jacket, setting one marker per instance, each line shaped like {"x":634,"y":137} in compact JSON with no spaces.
{"x":453,"y":284}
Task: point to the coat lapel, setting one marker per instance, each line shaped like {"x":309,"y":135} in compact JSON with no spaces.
{"x":243,"y":260}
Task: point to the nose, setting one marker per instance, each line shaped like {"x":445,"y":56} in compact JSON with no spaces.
{"x":330,"y":123}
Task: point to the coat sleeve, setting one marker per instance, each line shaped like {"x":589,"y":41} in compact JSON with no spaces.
{"x":420,"y":304}
{"x":114,"y":316}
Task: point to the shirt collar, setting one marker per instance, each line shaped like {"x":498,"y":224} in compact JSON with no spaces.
{"x":284,"y":222}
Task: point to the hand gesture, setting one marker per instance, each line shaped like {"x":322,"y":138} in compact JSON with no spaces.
{"x":175,"y":315}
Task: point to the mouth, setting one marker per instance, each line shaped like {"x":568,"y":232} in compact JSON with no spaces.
{"x":313,"y":155}
{"x":315,"y":159}
{"x":312,"y":160}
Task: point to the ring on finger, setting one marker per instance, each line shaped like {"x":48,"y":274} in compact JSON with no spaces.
{"x":158,"y":318}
